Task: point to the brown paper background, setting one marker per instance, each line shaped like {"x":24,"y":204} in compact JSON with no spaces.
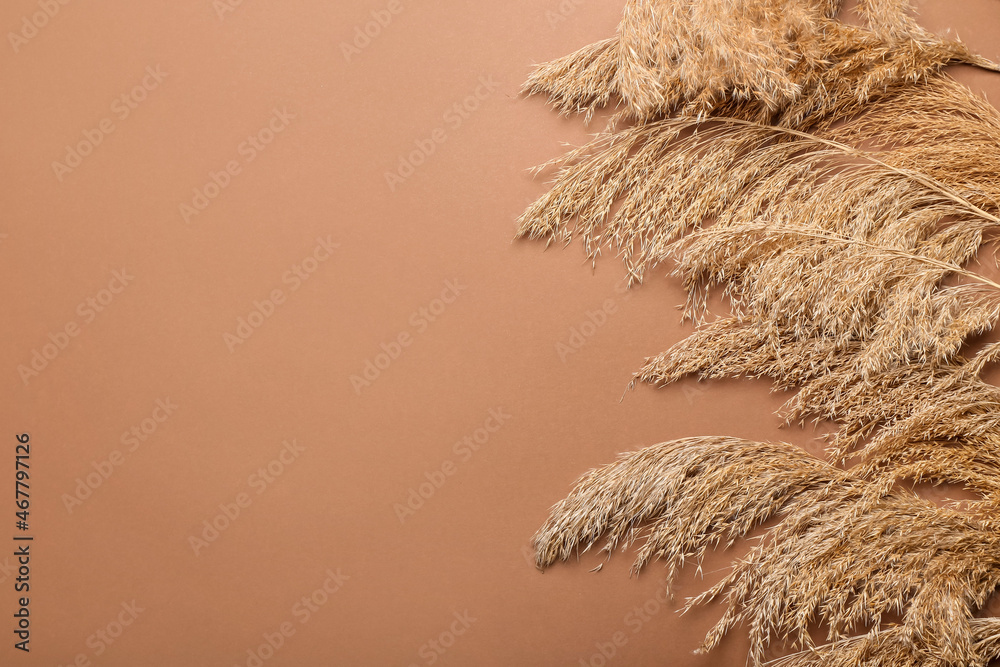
{"x":495,"y":347}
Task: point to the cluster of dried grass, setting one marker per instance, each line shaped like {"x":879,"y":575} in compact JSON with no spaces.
{"x":834,"y":183}
{"x":787,"y":58}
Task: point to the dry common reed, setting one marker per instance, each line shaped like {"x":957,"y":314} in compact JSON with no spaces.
{"x":834,"y":183}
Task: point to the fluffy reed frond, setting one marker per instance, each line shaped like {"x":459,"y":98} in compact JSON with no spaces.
{"x":937,"y":423}
{"x":641,"y":188}
{"x":787,"y":57}
{"x":891,"y":648}
{"x":829,"y":561}
{"x":834,"y":184}
{"x":835,"y":246}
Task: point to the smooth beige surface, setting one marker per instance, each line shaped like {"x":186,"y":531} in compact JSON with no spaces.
{"x":493,"y":395}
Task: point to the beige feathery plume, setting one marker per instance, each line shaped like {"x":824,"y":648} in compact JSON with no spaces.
{"x":891,"y":648}
{"x":834,"y":560}
{"x":834,"y":184}
{"x":788,"y":56}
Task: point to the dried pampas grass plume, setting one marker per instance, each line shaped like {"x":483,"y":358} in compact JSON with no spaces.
{"x":835,"y":184}
{"x":789,"y":58}
{"x":834,"y":560}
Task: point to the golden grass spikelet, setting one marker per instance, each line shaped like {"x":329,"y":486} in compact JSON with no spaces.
{"x":790,"y":58}
{"x":889,"y":648}
{"x":831,"y":560}
{"x":834,"y":184}
{"x":642,"y":187}
{"x":937,"y":423}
